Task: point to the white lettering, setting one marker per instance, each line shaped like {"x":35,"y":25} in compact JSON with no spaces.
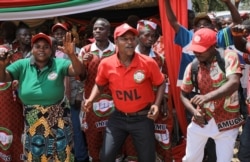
{"x":160,"y":127}
{"x":5,"y":157}
{"x":230,"y":123}
{"x":101,"y":124}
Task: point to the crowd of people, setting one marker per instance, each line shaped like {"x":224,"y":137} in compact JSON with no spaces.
{"x":109,"y":99}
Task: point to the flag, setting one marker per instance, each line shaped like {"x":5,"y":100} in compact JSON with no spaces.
{"x":33,"y":9}
{"x":173,"y":57}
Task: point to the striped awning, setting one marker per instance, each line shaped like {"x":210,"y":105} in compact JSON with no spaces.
{"x":33,"y":9}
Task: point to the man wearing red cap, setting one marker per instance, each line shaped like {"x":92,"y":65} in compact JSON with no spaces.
{"x":217,"y":114}
{"x":202,"y":20}
{"x":183,"y":37}
{"x":163,"y":125}
{"x":58,"y":32}
{"x":130,"y":77}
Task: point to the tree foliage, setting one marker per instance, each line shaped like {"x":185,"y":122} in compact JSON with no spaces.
{"x":216,"y":5}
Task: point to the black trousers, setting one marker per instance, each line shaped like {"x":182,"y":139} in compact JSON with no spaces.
{"x":140,"y":128}
{"x":210,"y":151}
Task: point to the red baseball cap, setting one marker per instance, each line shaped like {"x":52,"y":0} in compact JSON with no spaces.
{"x":4,"y":48}
{"x":155,"y":20}
{"x":203,"y":39}
{"x":244,"y":15}
{"x":59,"y":25}
{"x":41,"y":36}
{"x":122,"y":29}
{"x":3,"y":52}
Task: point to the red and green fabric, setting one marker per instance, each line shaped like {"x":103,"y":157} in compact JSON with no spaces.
{"x":11,"y":122}
{"x":173,"y":55}
{"x":33,"y":9}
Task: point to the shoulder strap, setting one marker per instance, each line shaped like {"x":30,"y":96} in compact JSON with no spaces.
{"x":226,"y":37}
{"x":195,"y":69}
{"x":194,"y":73}
{"x":221,"y":61}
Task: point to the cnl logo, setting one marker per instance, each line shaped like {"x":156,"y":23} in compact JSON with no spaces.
{"x":6,"y":138}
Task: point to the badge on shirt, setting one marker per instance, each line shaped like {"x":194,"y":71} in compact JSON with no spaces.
{"x":4,"y":86}
{"x":6,"y":138}
{"x":139,"y":76}
{"x":52,"y":76}
{"x":103,"y":106}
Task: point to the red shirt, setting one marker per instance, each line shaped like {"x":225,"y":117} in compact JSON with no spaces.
{"x":225,"y":110}
{"x":131,"y":86}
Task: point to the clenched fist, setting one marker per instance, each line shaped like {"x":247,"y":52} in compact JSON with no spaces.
{"x":240,"y":30}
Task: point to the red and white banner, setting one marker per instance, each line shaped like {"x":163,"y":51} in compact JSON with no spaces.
{"x":34,"y":9}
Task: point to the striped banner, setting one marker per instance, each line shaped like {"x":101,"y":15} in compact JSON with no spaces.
{"x":33,"y":9}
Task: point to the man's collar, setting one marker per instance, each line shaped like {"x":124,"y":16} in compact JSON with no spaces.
{"x":95,"y":48}
{"x":134,"y":61}
{"x":151,"y":53}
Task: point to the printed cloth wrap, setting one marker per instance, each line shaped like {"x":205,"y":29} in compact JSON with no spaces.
{"x":48,"y":132}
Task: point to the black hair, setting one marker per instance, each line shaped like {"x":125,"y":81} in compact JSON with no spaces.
{"x":132,"y":20}
{"x":21,"y":26}
{"x":105,"y":21}
{"x":246,"y":22}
